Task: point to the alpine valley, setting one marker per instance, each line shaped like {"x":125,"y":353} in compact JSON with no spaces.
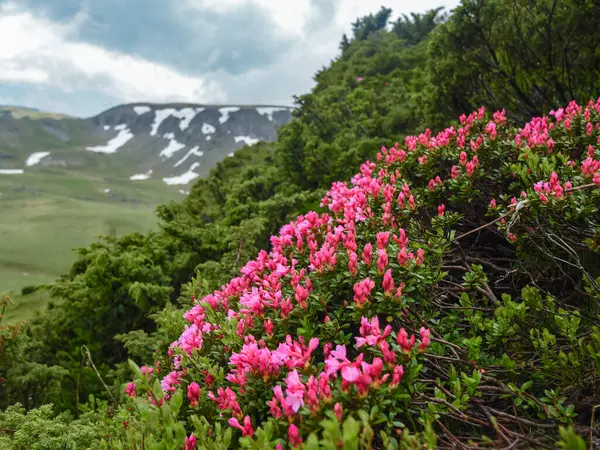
{"x":66,"y":180}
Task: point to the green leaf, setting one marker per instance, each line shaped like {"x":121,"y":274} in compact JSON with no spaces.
{"x":135,"y":368}
{"x":175,"y":403}
{"x":157,"y":389}
{"x":350,"y":428}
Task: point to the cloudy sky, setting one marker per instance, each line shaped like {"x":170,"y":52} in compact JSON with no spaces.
{"x":83,"y":56}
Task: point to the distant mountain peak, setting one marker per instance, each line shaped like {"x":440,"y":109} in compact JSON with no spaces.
{"x":173,"y":143}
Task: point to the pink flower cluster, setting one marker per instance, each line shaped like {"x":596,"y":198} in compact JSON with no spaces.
{"x":257,"y":359}
{"x":553,"y":188}
{"x":590,"y":167}
{"x":279,"y":288}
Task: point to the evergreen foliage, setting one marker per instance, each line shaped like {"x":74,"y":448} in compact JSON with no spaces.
{"x":513,"y":357}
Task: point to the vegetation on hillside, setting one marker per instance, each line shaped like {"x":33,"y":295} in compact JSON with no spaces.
{"x":403,"y":318}
{"x":504,"y":356}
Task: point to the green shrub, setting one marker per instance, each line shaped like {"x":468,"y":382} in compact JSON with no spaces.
{"x":481,"y":241}
{"x":29,"y":289}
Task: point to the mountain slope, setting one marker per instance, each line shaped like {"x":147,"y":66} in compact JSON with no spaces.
{"x":174,"y":142}
{"x":64,"y":181}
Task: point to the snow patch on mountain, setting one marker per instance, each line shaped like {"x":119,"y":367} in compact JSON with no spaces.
{"x":208,"y":128}
{"x":141,"y":176}
{"x":246,"y":139}
{"x":268,"y":111}
{"x":115,"y":143}
{"x":35,"y":158}
{"x":11,"y":171}
{"x":185,"y":116}
{"x":139,"y":110}
{"x":184,"y":178}
{"x":172,"y":148}
{"x":159,"y":116}
{"x":225,"y":113}
{"x":193,"y":151}
{"x":106,"y":127}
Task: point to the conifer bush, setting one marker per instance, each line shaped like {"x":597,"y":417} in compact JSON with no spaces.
{"x":448,"y":297}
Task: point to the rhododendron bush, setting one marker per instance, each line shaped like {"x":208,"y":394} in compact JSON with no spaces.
{"x":448,"y":297}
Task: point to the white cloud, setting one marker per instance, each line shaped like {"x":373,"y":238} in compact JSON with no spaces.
{"x":293,"y":15}
{"x":289,"y":15}
{"x":68,"y":74}
{"x":291,"y":74}
{"x":43,"y":52}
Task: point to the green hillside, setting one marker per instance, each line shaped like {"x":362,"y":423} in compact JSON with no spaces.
{"x":20,"y":112}
{"x":68,"y":196}
{"x":412,"y":264}
{"x":47,"y":215}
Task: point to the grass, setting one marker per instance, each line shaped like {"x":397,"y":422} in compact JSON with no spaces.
{"x":25,"y":307}
{"x":19,"y":113}
{"x":47,"y":215}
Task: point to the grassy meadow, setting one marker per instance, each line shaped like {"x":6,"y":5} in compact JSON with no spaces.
{"x":45,"y":215}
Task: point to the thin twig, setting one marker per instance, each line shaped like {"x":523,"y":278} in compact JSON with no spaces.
{"x":475,"y":230}
{"x":89,"y":356}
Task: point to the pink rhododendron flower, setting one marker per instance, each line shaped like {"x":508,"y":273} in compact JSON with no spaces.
{"x":382,"y":260}
{"x":130,"y":390}
{"x":402,"y":256}
{"x":294,"y":435}
{"x":193,"y":393}
{"x":403,"y":341}
{"x":171,"y":380}
{"x":420,"y":256}
{"x":227,"y":400}
{"x":294,"y":391}
{"x":371,"y":333}
{"x":425,"y":339}
{"x":338,"y":411}
{"x":398,"y":293}
{"x":490,"y":129}
{"x":397,"y":375}
{"x":559,"y":114}
{"x":500,"y":117}
{"x":362,"y":290}
{"x":388,"y":282}
{"x":336,"y":360}
{"x":367,"y":253}
{"x":301,"y":295}
{"x":454,"y":173}
{"x":353,"y":264}
{"x":246,"y":430}
{"x":382,"y":239}
{"x":350,"y":374}
{"x":268,"y":323}
{"x":146,"y":370}
{"x":190,"y":442}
